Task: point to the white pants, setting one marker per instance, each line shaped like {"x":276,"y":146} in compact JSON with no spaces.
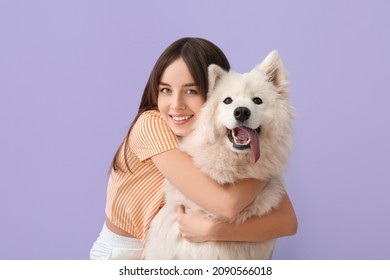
{"x":111,"y":246}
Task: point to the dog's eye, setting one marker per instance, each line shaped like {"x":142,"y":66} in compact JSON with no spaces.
{"x":257,"y":100}
{"x":228,"y":100}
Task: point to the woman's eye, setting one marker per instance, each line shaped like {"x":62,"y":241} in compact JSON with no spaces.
{"x":165,"y":90}
{"x":191,"y":91}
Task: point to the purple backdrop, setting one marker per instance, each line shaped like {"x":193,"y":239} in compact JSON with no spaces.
{"x":71,"y":77}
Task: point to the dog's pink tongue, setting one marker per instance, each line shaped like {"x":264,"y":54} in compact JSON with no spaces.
{"x":242,"y":132}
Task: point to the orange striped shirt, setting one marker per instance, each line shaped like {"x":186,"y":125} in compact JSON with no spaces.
{"x":134,"y":198}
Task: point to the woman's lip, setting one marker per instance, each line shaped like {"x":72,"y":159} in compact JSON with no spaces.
{"x":180,"y":119}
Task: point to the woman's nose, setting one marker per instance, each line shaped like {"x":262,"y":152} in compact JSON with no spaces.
{"x":178,"y":102}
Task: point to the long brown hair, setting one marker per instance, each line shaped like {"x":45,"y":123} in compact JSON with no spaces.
{"x":198,"y":54}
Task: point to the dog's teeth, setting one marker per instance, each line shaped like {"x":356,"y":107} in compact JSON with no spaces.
{"x":238,"y":141}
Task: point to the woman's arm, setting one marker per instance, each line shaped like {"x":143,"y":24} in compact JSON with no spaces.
{"x":222,"y":200}
{"x":197,"y":227}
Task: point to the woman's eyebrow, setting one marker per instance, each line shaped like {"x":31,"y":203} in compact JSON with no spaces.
{"x":164,"y":84}
{"x":185,"y":85}
{"x":190,"y":85}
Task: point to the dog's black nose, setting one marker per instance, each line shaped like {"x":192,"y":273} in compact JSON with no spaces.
{"x":242,"y":113}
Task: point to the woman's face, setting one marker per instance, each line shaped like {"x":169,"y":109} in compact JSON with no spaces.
{"x":179,"y":99}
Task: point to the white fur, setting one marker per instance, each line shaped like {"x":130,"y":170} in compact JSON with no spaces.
{"x":213,"y":153}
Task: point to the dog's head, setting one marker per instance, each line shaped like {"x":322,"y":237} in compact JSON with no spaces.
{"x":245,"y":106}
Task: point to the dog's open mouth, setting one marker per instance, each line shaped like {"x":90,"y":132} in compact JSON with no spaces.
{"x":246,"y":138}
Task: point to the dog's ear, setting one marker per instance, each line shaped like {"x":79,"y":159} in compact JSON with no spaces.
{"x":274,"y":69}
{"x":203,"y":132}
{"x":215,"y":73}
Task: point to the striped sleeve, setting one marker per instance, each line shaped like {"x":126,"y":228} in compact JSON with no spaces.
{"x":151,"y":136}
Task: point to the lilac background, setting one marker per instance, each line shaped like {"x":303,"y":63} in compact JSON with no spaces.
{"x":71,"y":76}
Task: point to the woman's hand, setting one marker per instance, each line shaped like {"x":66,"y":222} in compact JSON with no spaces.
{"x":195,"y":226}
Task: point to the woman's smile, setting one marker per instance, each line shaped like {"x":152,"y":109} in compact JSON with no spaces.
{"x":179,"y":99}
{"x":180,"y":119}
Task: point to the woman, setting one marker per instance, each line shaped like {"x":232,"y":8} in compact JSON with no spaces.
{"x":173,"y":95}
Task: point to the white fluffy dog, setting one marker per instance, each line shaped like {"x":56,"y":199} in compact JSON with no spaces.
{"x":243,"y":131}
